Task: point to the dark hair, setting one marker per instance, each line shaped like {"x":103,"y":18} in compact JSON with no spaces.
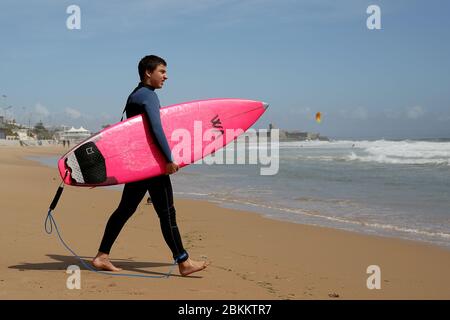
{"x":149,"y":63}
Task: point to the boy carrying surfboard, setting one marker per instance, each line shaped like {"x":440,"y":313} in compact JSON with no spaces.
{"x":144,"y":100}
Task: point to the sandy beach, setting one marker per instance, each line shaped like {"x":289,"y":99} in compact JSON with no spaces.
{"x":251,"y":257}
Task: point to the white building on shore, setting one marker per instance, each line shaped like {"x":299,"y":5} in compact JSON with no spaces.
{"x":74,"y":135}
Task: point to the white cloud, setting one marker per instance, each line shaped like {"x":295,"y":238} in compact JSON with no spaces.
{"x":41,"y":110}
{"x":106,"y":116}
{"x":405,"y":113}
{"x":443,"y":118}
{"x":392,"y":114}
{"x":73,"y":113}
{"x":303,"y":111}
{"x":415,"y":112}
{"x":359,"y":113}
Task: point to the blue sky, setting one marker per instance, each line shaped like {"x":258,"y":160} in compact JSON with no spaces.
{"x":300,"y":56}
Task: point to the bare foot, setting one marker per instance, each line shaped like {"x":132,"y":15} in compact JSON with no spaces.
{"x":190,"y":266}
{"x":101,"y":261}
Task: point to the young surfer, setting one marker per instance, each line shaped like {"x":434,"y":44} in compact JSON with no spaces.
{"x":143,"y":100}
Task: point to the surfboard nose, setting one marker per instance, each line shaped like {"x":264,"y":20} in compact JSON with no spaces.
{"x":265,"y":105}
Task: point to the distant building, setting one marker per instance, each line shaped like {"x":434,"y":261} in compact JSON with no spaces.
{"x":23,"y":134}
{"x":74,"y":135}
{"x":296,"y":135}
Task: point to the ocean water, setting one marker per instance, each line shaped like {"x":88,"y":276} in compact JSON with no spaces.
{"x":388,"y":188}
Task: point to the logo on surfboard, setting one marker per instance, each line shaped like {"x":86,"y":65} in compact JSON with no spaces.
{"x":217,"y":124}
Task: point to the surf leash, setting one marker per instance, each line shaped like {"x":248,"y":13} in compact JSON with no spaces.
{"x":50,"y":222}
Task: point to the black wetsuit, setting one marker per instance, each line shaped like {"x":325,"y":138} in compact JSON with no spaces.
{"x":143,"y":100}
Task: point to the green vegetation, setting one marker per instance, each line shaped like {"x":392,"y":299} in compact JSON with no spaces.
{"x":41,"y":132}
{"x":8,"y":129}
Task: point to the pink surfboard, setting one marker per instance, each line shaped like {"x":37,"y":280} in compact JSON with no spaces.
{"x":126,"y":152}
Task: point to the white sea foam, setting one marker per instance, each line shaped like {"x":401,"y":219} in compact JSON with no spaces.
{"x":191,"y":194}
{"x":403,"y":152}
{"x":379,"y":151}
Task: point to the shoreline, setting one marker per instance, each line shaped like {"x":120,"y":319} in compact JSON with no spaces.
{"x":253,"y":256}
{"x":272,"y":213}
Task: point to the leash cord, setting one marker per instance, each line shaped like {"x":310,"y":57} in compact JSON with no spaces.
{"x":50,"y":222}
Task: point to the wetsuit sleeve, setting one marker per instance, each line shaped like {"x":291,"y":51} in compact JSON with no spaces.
{"x":151,"y":105}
